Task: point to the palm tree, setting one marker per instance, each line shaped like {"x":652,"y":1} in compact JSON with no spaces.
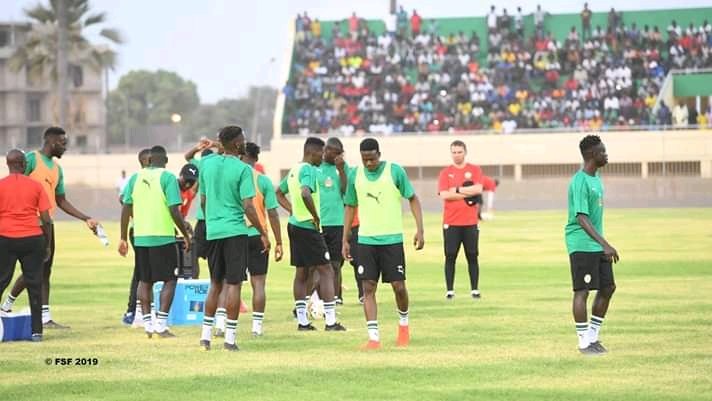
{"x":41,"y":53}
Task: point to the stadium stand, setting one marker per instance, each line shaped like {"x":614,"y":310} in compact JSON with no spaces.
{"x":502,"y":72}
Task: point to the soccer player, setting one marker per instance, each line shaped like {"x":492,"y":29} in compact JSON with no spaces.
{"x":332,"y":186}
{"x":376,"y":189}
{"x":188,"y":185}
{"x":152,"y":197}
{"x":590,"y":255}
{"x":22,"y":199}
{"x":144,"y":159}
{"x":44,"y":169}
{"x":199,"y":232}
{"x":266,"y":205}
{"x":460,"y":186}
{"x":227,"y":190}
{"x":307,"y":247}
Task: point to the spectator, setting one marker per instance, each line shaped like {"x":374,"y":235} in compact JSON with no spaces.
{"x":316,"y":28}
{"x":415,"y":23}
{"x":586,"y":22}
{"x":539,"y":16}
{"x":680,"y":115}
{"x":664,"y":114}
{"x":692,"y":117}
{"x":353,"y":23}
{"x":492,"y":20}
{"x":613,"y":20}
{"x":519,"y":22}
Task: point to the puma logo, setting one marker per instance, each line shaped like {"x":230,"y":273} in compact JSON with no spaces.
{"x":370,"y":195}
{"x":47,"y":180}
{"x":145,"y":181}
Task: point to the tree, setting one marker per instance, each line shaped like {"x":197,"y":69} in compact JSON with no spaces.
{"x":254,"y":113}
{"x":147,"y":98}
{"x":51,"y":48}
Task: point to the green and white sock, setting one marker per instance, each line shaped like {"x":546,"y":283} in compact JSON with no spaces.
{"x":372,"y":326}
{"x":301,"y":307}
{"x":161,"y":321}
{"x":403,"y":318}
{"x":594,"y":328}
{"x":46,"y":316}
{"x":257,"y":318}
{"x":220,"y":316}
{"x":147,"y":323}
{"x":330,"y":313}
{"x":9,"y":303}
{"x":207,"y":332}
{"x":230,"y":331}
{"x":582,"y":333}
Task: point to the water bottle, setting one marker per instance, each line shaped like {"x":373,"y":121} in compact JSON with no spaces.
{"x":101,"y":234}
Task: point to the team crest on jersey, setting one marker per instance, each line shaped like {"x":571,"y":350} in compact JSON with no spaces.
{"x":328,"y":182}
{"x":468,"y":175}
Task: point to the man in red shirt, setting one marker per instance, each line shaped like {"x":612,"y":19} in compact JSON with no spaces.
{"x":460,"y":186}
{"x":22,"y":199}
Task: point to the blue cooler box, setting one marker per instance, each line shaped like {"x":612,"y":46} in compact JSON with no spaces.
{"x":15,"y":327}
{"x":188,"y":303}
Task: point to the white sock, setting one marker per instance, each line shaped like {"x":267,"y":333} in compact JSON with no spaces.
{"x":257,"y":318}
{"x":301,"y":312}
{"x":594,"y":328}
{"x":220,"y":316}
{"x":161,"y":321}
{"x":207,"y":332}
{"x":9,"y":302}
{"x":372,"y":326}
{"x":330,"y":313}
{"x":230,"y":331}
{"x":475,"y":292}
{"x":450,"y":294}
{"x":46,"y":316}
{"x":403,"y":318}
{"x":147,"y":323}
{"x":581,"y":332}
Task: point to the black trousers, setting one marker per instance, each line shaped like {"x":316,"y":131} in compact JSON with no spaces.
{"x":133,"y":289}
{"x":469,"y":237}
{"x":31,"y":252}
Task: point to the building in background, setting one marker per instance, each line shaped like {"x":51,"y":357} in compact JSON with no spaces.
{"x":27,"y":107}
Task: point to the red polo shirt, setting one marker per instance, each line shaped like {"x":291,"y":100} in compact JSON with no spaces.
{"x":458,"y":213}
{"x":21,"y":201}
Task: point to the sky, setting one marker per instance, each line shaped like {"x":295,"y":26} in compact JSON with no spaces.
{"x":225,"y":46}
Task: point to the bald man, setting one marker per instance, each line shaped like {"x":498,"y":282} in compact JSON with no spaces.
{"x":22,"y":199}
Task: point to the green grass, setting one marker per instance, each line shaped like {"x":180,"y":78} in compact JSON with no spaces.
{"x":517,"y":343}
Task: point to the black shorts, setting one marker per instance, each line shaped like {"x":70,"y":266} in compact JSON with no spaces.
{"x":353,"y":243}
{"x":307,"y":247}
{"x":386,"y":261}
{"x":334,"y":236}
{"x":257,"y":261}
{"x":200,"y":240}
{"x":591,"y":271}
{"x":227,"y":259}
{"x":468,"y":236}
{"x":156,"y":263}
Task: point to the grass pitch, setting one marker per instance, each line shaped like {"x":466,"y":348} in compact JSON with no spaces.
{"x":517,"y":343}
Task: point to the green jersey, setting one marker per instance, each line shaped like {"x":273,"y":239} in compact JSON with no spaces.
{"x":167,"y":195}
{"x":399,"y":180}
{"x":585,"y":197}
{"x":307,"y":177}
{"x":331,"y":200}
{"x":225,"y":181}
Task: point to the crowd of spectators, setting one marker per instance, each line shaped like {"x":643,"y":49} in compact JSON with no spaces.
{"x":411,"y":78}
